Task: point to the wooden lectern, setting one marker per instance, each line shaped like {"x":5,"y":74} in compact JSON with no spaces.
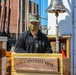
{"x":39,"y":64}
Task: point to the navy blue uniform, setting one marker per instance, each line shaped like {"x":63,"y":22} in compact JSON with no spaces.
{"x":26,"y":43}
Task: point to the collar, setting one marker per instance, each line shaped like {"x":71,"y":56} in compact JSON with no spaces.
{"x":29,"y":32}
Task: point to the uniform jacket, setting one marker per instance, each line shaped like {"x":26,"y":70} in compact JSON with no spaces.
{"x":26,"y":43}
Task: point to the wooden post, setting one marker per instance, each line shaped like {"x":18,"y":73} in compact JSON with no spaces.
{"x":26,"y":13}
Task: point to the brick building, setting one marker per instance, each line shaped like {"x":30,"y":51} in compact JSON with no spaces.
{"x":12,"y":17}
{"x":10,"y":14}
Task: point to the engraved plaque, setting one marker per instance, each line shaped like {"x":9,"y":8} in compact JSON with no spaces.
{"x":36,"y":64}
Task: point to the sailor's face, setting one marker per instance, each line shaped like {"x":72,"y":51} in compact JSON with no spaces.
{"x":34,"y":26}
